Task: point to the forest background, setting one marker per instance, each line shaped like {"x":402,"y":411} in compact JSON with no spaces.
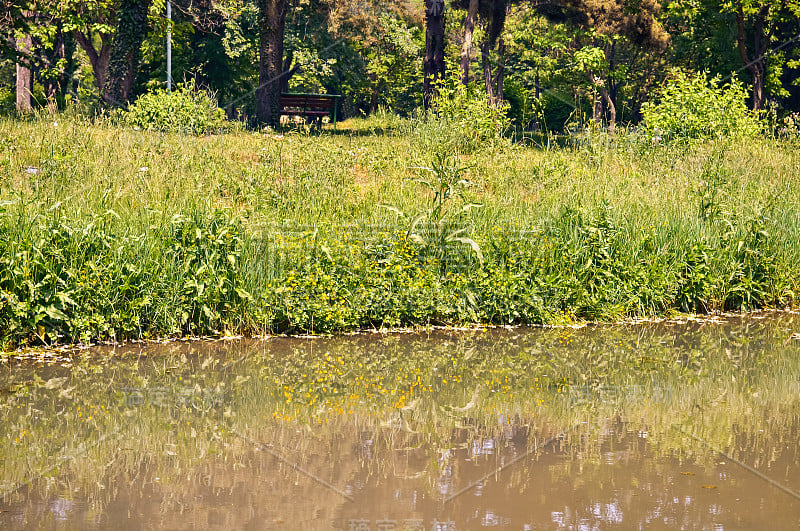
{"x":548,"y":64}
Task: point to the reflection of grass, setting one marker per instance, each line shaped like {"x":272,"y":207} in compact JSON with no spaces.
{"x":424,"y":394}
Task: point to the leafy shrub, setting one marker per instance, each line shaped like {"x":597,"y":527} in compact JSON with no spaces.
{"x":699,"y":108}
{"x":460,"y":119}
{"x":7,"y":101}
{"x":521,"y":109}
{"x":789,"y":127}
{"x":555,"y":111}
{"x":185,"y":110}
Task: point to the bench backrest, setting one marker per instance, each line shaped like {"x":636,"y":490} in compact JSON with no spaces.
{"x":309,"y":101}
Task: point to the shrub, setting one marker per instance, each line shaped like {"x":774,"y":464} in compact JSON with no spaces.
{"x":521,"y":106}
{"x":185,"y":110}
{"x":554,"y":111}
{"x":699,"y":108}
{"x":7,"y":101}
{"x":460,"y":119}
{"x":789,"y":127}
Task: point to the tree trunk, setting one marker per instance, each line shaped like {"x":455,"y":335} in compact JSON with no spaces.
{"x":758,"y":85}
{"x":487,"y":70}
{"x":611,"y":108}
{"x":759,"y":73}
{"x":271,"y":22}
{"x":466,"y":48}
{"x":611,"y":84}
{"x":68,"y":72}
{"x":98,"y":59}
{"x":434,"y":68}
{"x":24,"y":78}
{"x":59,"y":59}
{"x":126,"y":51}
{"x":288,"y":71}
{"x":756,"y":65}
{"x":501,"y":70}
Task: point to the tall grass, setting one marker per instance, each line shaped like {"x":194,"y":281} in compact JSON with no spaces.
{"x":110,"y":232}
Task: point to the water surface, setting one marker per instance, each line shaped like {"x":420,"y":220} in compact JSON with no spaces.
{"x":669,"y":425}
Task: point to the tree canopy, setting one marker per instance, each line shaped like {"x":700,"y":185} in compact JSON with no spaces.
{"x":559,"y":61}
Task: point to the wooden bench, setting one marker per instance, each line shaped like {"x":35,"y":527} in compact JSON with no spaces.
{"x":310,"y":105}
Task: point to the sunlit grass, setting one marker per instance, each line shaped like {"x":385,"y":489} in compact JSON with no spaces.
{"x":154,"y":234}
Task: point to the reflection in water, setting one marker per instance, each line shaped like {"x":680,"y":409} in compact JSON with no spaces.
{"x":526,"y":429}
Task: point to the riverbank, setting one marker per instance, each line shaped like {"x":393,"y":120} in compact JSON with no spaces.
{"x":114,"y":234}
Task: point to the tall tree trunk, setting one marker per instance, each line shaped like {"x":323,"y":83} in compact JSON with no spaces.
{"x":756,"y":65}
{"x":24,"y":77}
{"x":59,"y":59}
{"x":434,"y":68}
{"x":611,"y":85}
{"x":126,"y":51}
{"x":466,"y":48}
{"x":288,"y":70}
{"x":68,"y":72}
{"x":487,"y":70}
{"x":97,"y":58}
{"x":501,"y":70}
{"x":271,"y":22}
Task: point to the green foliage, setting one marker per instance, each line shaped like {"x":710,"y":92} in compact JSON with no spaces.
{"x":439,"y":227}
{"x":207,"y":252}
{"x":186,"y":110}
{"x":62,"y":281}
{"x":698,"y":107}
{"x":789,"y":127}
{"x":109,"y":233}
{"x":460,"y":120}
{"x":8,"y":101}
{"x":394,"y":63}
{"x":555,"y":111}
{"x":521,"y":108}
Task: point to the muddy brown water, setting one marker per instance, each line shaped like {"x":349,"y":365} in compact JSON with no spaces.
{"x":650,"y":426}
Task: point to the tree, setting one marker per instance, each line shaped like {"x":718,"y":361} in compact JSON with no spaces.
{"x":434,"y":66}
{"x":466,"y":49}
{"x":491,"y":15}
{"x":92,"y":24}
{"x":762,"y":20}
{"x":606,"y":22}
{"x":126,"y":51}
{"x":272,"y":23}
{"x":722,"y":36}
{"x":13,"y":19}
{"x":494,"y":14}
{"x":24,"y":81}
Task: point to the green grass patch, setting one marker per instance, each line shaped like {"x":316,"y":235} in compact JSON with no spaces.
{"x":113,"y":233}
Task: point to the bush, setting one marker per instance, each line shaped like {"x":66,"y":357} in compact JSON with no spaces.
{"x":185,"y":110}
{"x":460,"y":119}
{"x":555,"y":111}
{"x":521,"y":110}
{"x":699,"y":108}
{"x":8,"y":101}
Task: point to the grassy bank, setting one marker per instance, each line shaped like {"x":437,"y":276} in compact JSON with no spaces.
{"x":118,"y":233}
